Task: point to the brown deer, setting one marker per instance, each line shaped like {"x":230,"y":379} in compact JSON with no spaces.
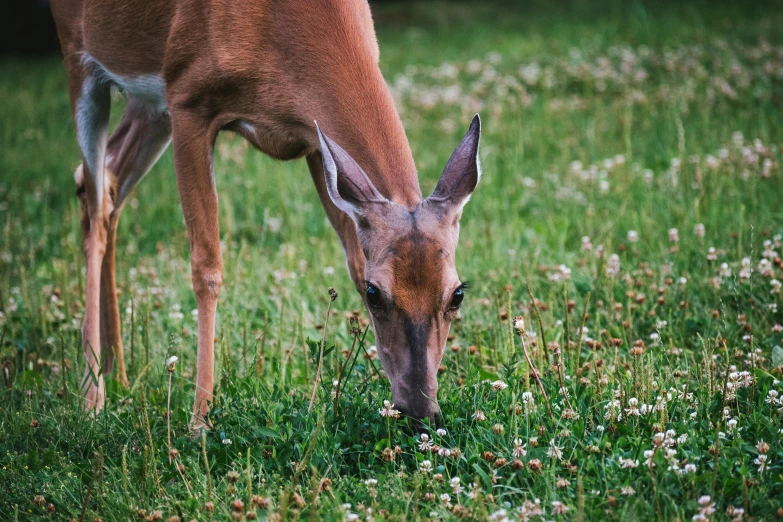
{"x":267,"y":70}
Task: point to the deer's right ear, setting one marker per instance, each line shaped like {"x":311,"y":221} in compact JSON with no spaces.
{"x":462,"y":172}
{"x":349,"y":187}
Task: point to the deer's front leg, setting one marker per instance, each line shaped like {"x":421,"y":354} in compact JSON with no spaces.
{"x":193,"y":141}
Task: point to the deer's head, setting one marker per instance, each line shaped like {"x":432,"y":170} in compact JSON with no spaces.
{"x":412,"y":290}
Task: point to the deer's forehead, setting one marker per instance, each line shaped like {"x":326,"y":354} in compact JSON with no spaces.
{"x":409,"y":243}
{"x":415,"y":268}
{"x":400,"y":231}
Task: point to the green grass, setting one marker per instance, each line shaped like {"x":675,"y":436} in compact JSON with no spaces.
{"x":709,"y":71}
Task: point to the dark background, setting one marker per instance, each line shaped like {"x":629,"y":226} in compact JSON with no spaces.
{"x":27,"y":27}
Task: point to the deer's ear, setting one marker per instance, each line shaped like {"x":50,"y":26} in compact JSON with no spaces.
{"x":462,"y":172}
{"x":349,"y":187}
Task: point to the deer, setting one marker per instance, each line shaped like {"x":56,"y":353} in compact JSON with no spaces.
{"x":295,"y":78}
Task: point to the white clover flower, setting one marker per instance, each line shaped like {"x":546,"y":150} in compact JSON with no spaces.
{"x":613,"y":265}
{"x":499,"y":385}
{"x":388,"y":410}
{"x":425,"y":444}
{"x":558,"y":508}
{"x":519,"y":448}
{"x":648,"y":456}
{"x":554,"y":450}
{"x":627,"y":463}
{"x":586,"y":244}
{"x":761,"y":462}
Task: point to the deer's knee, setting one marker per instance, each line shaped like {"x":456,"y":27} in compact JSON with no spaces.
{"x":207,"y":283}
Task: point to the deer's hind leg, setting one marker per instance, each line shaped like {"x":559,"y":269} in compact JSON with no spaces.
{"x":91,"y":104}
{"x":141,"y":137}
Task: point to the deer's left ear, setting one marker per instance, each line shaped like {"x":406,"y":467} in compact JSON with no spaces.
{"x":462,"y":172}
{"x":349,"y":187}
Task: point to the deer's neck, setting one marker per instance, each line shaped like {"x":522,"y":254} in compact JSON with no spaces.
{"x":360,"y":117}
{"x":327,"y":60}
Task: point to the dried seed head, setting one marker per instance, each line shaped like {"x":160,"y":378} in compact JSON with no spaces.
{"x":39,"y":500}
{"x":237,"y":505}
{"x":388,"y":454}
{"x":534,"y":465}
{"x":519,"y":324}
{"x":259,"y":502}
{"x":332,"y":293}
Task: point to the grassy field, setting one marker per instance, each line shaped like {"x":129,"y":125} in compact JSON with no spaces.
{"x":630,"y":212}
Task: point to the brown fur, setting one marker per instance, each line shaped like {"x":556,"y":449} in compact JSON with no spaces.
{"x":266,"y":69}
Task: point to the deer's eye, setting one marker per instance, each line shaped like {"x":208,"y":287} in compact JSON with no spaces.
{"x":373,"y":295}
{"x":456,"y":299}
